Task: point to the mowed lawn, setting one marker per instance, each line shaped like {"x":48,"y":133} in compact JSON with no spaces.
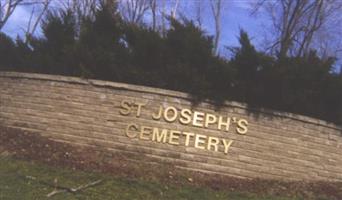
{"x":25,"y":180}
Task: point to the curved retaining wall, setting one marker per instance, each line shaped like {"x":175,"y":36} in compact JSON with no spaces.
{"x":124,"y":118}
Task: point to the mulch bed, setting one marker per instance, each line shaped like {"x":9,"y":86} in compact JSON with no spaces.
{"x":34,"y":147}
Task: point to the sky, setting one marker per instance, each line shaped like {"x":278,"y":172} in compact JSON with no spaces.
{"x":16,"y":24}
{"x":235,"y":16}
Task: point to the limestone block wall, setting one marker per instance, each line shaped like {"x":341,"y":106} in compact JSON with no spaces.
{"x":119,"y":118}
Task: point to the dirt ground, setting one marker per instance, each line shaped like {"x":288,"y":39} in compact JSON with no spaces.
{"x":33,"y":147}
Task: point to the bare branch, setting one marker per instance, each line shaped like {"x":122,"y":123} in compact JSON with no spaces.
{"x":216,"y":6}
{"x":153,"y":7}
{"x":7,"y":10}
{"x":133,"y":11}
{"x":199,"y":13}
{"x":31,"y":30}
{"x":174,"y":9}
{"x":295,"y":23}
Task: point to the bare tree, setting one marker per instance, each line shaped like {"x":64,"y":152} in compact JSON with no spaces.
{"x":163,"y":16}
{"x":216,"y":6}
{"x":295,"y":23}
{"x":199,"y":11}
{"x":7,"y":8}
{"x":83,"y":8}
{"x":174,"y":9}
{"x":153,"y":7}
{"x":33,"y":24}
{"x":132,"y":10}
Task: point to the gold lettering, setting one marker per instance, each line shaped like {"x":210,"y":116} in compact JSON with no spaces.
{"x":187,"y":137}
{"x":210,"y":119}
{"x":129,"y":127}
{"x":226,"y":145}
{"x":159,"y":137}
{"x":185,"y":116}
{"x":125,"y":107}
{"x":198,"y":118}
{"x":157,"y":116}
{"x":173,"y":117}
{"x":200,"y":139}
{"x":242,"y":126}
{"x":174,"y":137}
{"x":145,"y":132}
{"x":213,"y":142}
{"x":221,"y":123}
{"x":140,"y":105}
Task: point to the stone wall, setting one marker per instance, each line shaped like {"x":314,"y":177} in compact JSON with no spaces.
{"x":105,"y":115}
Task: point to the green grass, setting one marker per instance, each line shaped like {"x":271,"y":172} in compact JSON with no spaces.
{"x":15,"y":183}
